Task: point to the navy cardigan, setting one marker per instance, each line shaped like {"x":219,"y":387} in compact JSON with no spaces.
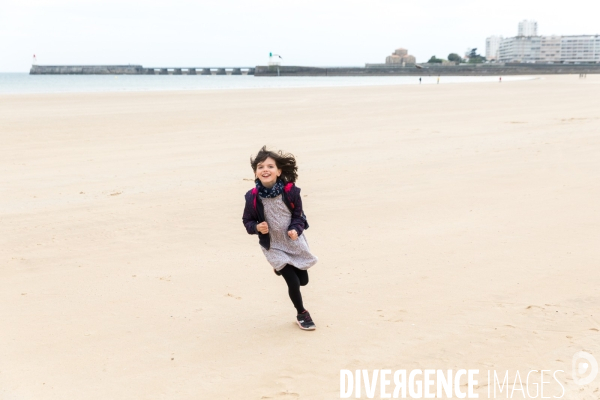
{"x":254,"y":213}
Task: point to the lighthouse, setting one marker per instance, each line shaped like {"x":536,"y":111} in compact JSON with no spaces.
{"x":34,"y":62}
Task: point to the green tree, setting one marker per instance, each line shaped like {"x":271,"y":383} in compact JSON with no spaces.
{"x":454,"y":57}
{"x":435,"y":60}
{"x":475,"y":58}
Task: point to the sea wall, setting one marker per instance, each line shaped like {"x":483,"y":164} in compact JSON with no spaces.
{"x":369,"y":70}
{"x":86,"y":70}
{"x":432,"y":70}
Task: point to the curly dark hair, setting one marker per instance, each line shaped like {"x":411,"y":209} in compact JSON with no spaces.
{"x":286,"y":162}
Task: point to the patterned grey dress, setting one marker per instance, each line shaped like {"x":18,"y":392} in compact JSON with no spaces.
{"x":283,"y":249}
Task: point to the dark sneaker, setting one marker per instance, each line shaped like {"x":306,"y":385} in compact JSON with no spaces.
{"x":305,"y":322}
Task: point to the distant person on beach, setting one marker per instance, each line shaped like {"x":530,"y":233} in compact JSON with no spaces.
{"x":419,"y":80}
{"x":438,"y":80}
{"x":500,"y":79}
{"x":274,"y":212}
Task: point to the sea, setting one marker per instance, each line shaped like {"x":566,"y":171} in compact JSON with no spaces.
{"x":23,"y":83}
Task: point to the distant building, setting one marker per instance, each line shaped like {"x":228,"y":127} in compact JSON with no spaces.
{"x":524,"y":49}
{"x":401,"y":58}
{"x":527,"y":28}
{"x":550,"y":49}
{"x":492,"y":48}
{"x":580,"y":48}
{"x":527,"y":47}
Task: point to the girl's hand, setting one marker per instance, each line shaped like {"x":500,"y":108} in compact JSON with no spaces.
{"x":263,"y":228}
{"x":293,"y":234}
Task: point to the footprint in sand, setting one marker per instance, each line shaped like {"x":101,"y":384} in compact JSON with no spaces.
{"x":532,"y":306}
{"x":287,"y":394}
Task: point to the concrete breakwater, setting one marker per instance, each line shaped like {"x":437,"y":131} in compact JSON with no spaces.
{"x":369,"y":70}
{"x":136,"y":70}
{"x":432,"y":70}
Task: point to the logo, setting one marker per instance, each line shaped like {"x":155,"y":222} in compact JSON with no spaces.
{"x":584,"y":364}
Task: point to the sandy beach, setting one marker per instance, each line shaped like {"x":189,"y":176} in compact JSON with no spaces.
{"x":457,"y":226}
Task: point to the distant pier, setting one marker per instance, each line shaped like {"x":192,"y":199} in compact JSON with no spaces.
{"x":199,"y":71}
{"x":498,"y":69}
{"x":136,"y":70}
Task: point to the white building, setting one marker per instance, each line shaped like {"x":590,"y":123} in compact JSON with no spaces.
{"x":527,"y":28}
{"x":492,"y":48}
{"x":580,"y":48}
{"x":527,"y":47}
{"x":551,"y":49}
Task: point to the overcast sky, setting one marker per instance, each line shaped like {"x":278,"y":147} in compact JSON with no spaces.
{"x":242,"y":33}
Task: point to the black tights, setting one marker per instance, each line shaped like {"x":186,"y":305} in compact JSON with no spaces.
{"x":295,"y":278}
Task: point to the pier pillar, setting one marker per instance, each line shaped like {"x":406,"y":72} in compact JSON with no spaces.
{"x":221,"y":71}
{"x":163,"y":71}
{"x":177,"y":71}
{"x":191,"y":71}
{"x":205,"y":71}
{"x":236,"y":71}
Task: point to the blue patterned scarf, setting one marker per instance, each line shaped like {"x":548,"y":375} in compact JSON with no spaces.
{"x":275,"y":191}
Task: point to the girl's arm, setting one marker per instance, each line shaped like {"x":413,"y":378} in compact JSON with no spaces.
{"x":250,"y":217}
{"x":298,"y":222}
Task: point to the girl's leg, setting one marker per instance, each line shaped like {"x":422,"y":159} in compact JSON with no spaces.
{"x":302,"y":276}
{"x":293,"y":283}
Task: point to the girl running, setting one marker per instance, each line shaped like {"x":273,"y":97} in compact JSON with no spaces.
{"x":274,"y":212}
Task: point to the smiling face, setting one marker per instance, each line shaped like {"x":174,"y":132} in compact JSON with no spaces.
{"x":268,"y":172}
